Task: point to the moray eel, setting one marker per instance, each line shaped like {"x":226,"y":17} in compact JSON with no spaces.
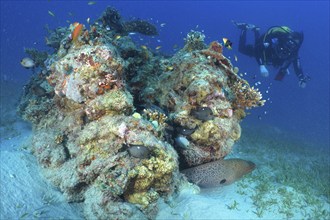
{"x":219,"y":172}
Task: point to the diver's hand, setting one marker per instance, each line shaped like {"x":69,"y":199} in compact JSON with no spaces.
{"x":263,"y":71}
{"x":303,"y":81}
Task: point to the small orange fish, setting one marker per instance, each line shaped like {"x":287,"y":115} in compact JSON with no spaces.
{"x":76,"y":31}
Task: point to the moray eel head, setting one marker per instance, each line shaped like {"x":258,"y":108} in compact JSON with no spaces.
{"x":236,"y":169}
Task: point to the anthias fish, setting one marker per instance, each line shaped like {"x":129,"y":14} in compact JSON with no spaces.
{"x":76,"y":31}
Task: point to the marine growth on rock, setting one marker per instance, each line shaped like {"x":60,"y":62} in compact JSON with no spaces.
{"x":113,"y":121}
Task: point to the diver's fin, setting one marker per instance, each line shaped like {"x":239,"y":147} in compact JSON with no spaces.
{"x":280,"y":75}
{"x":239,"y":25}
{"x":244,"y":26}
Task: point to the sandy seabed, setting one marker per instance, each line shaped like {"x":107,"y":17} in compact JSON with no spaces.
{"x":291,"y":180}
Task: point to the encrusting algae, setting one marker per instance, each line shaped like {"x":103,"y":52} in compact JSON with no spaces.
{"x":113,"y":121}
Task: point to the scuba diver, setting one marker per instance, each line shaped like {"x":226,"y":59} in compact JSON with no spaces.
{"x":278,"y":47}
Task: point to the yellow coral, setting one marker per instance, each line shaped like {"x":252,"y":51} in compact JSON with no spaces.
{"x":239,"y":113}
{"x":59,"y":139}
{"x":113,"y":102}
{"x":154,"y":115}
{"x":194,"y":41}
{"x":154,"y":173}
{"x":236,"y":132}
{"x":152,"y":170}
{"x":205,"y":132}
{"x":93,"y":149}
{"x":246,"y":96}
{"x":142,"y":198}
{"x":143,"y":178}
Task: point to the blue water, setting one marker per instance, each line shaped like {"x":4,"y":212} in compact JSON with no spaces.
{"x":301,"y":112}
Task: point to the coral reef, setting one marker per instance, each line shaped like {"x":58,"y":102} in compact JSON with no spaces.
{"x":140,"y":26}
{"x":56,"y":36}
{"x":111,"y":18}
{"x":202,"y":92}
{"x":112,"y":122}
{"x":194,"y":41}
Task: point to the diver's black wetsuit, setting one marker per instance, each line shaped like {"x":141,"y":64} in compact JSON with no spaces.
{"x":247,"y":49}
{"x":264,"y":50}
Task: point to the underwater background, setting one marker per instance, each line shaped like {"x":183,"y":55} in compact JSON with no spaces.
{"x":302,"y":112}
{"x":291,"y":115}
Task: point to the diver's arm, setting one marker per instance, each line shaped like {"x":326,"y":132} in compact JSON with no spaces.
{"x":263,"y":71}
{"x":299,"y":72}
{"x":260,"y":50}
{"x":262,"y":67}
{"x":262,"y":62}
{"x":298,"y":69}
{"x":256,"y":31}
{"x":260,"y":53}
